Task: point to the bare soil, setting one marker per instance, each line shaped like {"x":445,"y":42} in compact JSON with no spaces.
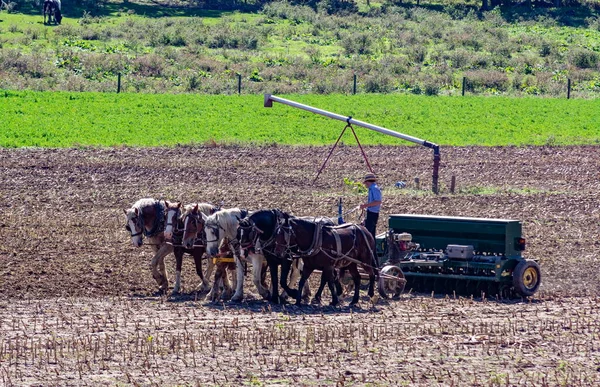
{"x":77,"y":308}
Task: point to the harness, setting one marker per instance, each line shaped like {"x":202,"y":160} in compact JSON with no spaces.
{"x":159,"y":220}
{"x":337,"y":255}
{"x":256,"y":241}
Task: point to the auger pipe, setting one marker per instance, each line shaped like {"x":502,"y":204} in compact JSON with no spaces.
{"x":269,"y":99}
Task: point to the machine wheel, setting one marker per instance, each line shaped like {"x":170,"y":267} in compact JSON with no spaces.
{"x":527,"y":278}
{"x":391,"y":281}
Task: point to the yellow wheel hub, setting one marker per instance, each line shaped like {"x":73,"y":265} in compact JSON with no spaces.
{"x":530,"y":278}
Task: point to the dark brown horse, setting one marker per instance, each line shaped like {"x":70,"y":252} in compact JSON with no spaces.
{"x":52,"y":11}
{"x":257,"y":233}
{"x":328,"y":248}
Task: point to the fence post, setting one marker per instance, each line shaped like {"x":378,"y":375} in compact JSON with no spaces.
{"x":569,"y":88}
{"x":417,"y":183}
{"x":354,"y":87}
{"x":464,"y":85}
{"x":118,"y":83}
{"x":239,"y":83}
{"x":452,"y":184}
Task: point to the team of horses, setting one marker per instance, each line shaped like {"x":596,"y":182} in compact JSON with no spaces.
{"x":233,"y":239}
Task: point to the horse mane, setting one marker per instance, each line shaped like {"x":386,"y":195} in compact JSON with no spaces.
{"x":205,"y":208}
{"x":140,"y":205}
{"x":228,"y":219}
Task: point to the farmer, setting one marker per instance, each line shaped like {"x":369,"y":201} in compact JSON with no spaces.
{"x":373,"y":203}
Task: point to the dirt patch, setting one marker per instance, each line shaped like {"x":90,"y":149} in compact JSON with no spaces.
{"x":76,"y":309}
{"x":62,"y":226}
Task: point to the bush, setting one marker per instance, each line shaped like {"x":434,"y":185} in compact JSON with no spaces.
{"x":486,"y":81}
{"x":416,"y":54}
{"x":583,"y":58}
{"x":431,"y":88}
{"x":378,"y":83}
{"x":150,"y":65}
{"x":357,"y":43}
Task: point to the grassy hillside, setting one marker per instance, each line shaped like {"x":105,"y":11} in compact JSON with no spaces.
{"x":391,"y":46}
{"x":69,"y":119}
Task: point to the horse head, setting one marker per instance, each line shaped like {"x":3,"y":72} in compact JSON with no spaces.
{"x":135,"y":225}
{"x":173,"y":216}
{"x":194,"y":223}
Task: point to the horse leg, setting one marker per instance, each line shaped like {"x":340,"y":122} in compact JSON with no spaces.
{"x":306,"y":272}
{"x":297,"y":266}
{"x":274,"y":281}
{"x":210,"y":267}
{"x":356,"y":278}
{"x":371,"y":292}
{"x":257,"y":270}
{"x":213,"y":295}
{"x":239,"y":286}
{"x":338,"y":281}
{"x":197,"y":253}
{"x":317,"y":299}
{"x":227,"y":289}
{"x":178,"y":251}
{"x":329,"y":273}
{"x":285,"y":271}
{"x":163,"y":272}
{"x":159,"y":256}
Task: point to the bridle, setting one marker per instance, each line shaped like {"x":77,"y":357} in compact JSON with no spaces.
{"x":139,"y":223}
{"x":195,"y":218}
{"x":255,"y":233}
{"x":287,"y":230}
{"x":215,"y":230}
{"x":174,"y":221}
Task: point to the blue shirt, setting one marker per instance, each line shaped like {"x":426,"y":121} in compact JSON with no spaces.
{"x":374,"y":195}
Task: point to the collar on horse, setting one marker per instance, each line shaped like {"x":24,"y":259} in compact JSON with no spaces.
{"x":257,"y":242}
{"x":159,"y":220}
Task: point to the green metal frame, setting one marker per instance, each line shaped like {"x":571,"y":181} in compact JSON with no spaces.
{"x":494,"y":241}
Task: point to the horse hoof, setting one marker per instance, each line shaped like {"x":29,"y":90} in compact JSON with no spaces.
{"x":353,"y":304}
{"x":237,"y":298}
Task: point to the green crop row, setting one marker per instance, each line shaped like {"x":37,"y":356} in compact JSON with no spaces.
{"x":62,"y":119}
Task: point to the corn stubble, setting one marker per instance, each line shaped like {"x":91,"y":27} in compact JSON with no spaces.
{"x":77,"y":308}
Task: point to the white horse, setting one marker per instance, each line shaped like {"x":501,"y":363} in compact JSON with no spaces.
{"x":223,"y":225}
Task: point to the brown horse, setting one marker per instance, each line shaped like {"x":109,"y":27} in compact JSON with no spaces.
{"x":174,"y":235}
{"x":147,"y":218}
{"x":328,"y":248}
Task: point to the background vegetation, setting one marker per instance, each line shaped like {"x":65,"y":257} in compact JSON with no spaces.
{"x":306,"y":47}
{"x":62,"y":119}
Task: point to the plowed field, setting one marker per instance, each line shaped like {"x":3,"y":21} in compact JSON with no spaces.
{"x":77,"y":306}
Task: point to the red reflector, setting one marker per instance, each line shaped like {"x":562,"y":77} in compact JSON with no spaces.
{"x":520,"y":244}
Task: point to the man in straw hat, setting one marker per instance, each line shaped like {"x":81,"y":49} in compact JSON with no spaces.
{"x":373,"y":203}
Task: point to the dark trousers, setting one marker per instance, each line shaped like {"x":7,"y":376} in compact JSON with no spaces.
{"x":371,"y":222}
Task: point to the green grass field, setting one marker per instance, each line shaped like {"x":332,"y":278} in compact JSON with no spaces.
{"x":60,"y":119}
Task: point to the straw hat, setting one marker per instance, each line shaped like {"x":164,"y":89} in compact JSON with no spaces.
{"x":370,"y":177}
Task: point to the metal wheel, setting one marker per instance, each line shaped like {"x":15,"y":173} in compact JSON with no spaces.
{"x":391,"y":281}
{"x":527,"y":278}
